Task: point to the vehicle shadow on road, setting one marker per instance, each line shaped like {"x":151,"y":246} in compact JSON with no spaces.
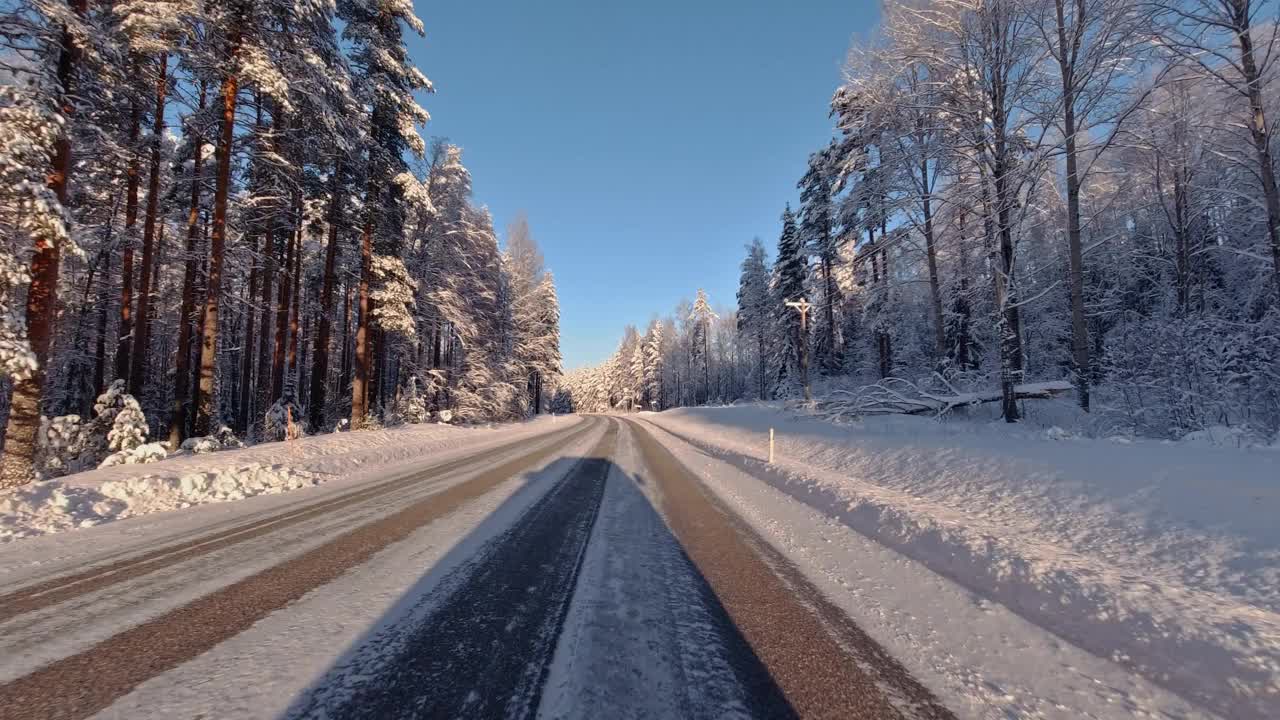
{"x":476,"y":634}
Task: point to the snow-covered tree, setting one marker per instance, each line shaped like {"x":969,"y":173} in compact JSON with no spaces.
{"x":652,"y":344}
{"x":387,"y":80}
{"x":700,"y":317}
{"x":756,"y":314}
{"x":535,"y":314}
{"x":790,"y":278}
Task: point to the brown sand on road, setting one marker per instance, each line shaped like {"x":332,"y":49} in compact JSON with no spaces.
{"x":826,"y":666}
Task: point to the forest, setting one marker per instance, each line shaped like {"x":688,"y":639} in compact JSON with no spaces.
{"x":220,"y":223}
{"x":1015,"y":192}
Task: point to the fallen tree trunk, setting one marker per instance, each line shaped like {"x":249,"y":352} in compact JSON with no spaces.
{"x":895,"y":396}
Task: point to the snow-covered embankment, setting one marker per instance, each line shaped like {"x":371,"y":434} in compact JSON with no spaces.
{"x":97,"y":496}
{"x":1161,"y":557}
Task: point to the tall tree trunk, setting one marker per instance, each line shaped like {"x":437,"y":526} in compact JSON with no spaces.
{"x":1079,"y":330}
{"x":829,"y":282}
{"x":760,"y":354}
{"x":1181,"y":231}
{"x":206,"y":402}
{"x":887,"y":277}
{"x":378,"y":357}
{"x":359,"y":384}
{"x":202,"y":285}
{"x":142,"y":337}
{"x":124,"y":344}
{"x":178,"y":422}
{"x":931,"y":254}
{"x":282,"y":322}
{"x":344,"y":365}
{"x":17,"y":464}
{"x":706,"y":362}
{"x":266,"y":277}
{"x":247,"y":358}
{"x":100,"y":349}
{"x":1009,"y":325}
{"x":305,"y":361}
{"x":962,"y":305}
{"x":104,"y":303}
{"x":295,"y":310}
{"x":1261,"y":135}
{"x":320,"y":366}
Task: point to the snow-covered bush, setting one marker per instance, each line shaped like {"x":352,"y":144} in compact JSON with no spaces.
{"x":223,"y":439}
{"x":129,"y":428}
{"x":1176,"y":377}
{"x":118,"y":425}
{"x":411,"y":406}
{"x":140,"y":455}
{"x":284,"y":419}
{"x":226,"y":438}
{"x":200,"y":445}
{"x":116,"y":435}
{"x":60,"y":444}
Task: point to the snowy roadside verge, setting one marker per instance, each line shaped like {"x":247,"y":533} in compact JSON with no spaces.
{"x":981,"y":659}
{"x":1164,"y":559}
{"x":115,"y":493}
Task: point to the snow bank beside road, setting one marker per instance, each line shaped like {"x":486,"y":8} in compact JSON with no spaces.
{"x":91,"y":498}
{"x":1163,"y":558}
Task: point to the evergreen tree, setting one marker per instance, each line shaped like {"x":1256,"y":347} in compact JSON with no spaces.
{"x":790,"y":273}
{"x":700,"y":318}
{"x":387,"y":80}
{"x":535,"y":314}
{"x":755,"y":311}
{"x":653,"y":363}
{"x":816,"y":225}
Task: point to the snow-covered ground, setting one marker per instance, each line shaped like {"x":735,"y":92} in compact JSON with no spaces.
{"x":1164,"y":559}
{"x":97,"y":496}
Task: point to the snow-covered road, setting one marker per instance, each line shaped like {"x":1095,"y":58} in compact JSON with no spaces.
{"x":581,"y":569}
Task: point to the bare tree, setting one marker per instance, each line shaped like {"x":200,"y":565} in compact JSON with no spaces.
{"x":1218,"y":38}
{"x":1092,"y":46}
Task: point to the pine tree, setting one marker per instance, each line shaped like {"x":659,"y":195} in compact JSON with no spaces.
{"x":387,"y":81}
{"x":535,"y":314}
{"x":653,"y":365}
{"x":701,"y":316}
{"x":755,"y":311}
{"x":818,"y":234}
{"x":790,"y":273}
{"x":41,"y":145}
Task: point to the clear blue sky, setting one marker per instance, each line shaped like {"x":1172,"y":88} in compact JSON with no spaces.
{"x":647,"y":142}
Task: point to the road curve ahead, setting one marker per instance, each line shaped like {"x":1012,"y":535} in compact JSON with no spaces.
{"x":579,"y":573}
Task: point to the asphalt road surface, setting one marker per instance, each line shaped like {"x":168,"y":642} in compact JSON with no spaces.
{"x":581,"y":573}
